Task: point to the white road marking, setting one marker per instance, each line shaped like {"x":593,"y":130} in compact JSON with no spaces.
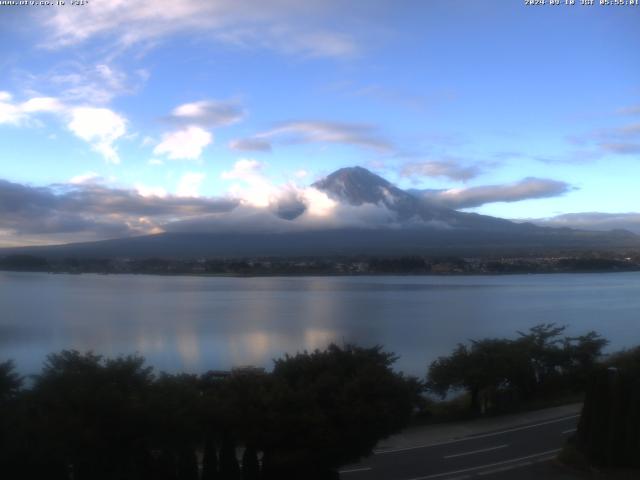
{"x":476,"y":451}
{"x":354,"y":470}
{"x":474,"y":437}
{"x":489,"y":465}
{"x":571,"y":430}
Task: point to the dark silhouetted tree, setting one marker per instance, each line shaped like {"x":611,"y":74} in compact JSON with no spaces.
{"x":210,"y":460}
{"x":328,"y":408}
{"x":609,"y":427}
{"x":229,"y":467}
{"x":498,"y":373}
{"x":250,"y":464}
{"x":10,"y":381}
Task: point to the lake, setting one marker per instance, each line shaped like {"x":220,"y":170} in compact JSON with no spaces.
{"x":199,"y":323}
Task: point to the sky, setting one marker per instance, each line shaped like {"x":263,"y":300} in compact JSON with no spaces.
{"x":118,"y":118}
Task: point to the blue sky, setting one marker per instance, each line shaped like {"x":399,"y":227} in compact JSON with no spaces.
{"x":539,"y":105}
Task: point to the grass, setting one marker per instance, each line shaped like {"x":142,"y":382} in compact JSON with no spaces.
{"x":457,"y":409}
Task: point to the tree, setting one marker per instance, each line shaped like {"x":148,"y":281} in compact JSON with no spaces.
{"x":209,"y":459}
{"x":483,"y":369}
{"x":250,"y":464}
{"x":543,"y":346}
{"x":582,"y":353}
{"x":91,"y":413}
{"x":328,"y":408}
{"x":497,"y":373}
{"x":10,"y":435}
{"x":609,"y":428}
{"x":10,"y":382}
{"x":229,"y":467}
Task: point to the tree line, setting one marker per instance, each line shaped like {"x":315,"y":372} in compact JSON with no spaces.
{"x":499,"y":374}
{"x":358,"y":265}
{"x":88,"y":417}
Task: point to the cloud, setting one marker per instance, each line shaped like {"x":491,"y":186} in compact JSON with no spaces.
{"x":76,"y":82}
{"x":526,"y":189}
{"x":189,"y":184}
{"x":9,"y":112}
{"x":631,"y":110}
{"x":360,"y":135}
{"x":621,"y":140}
{"x":251,"y":187}
{"x":290,"y":207}
{"x":89,"y":177}
{"x":150,"y":191}
{"x":621,"y":148}
{"x":100,"y":127}
{"x":20,"y":113}
{"x":96,"y":84}
{"x":185,"y":144}
{"x":593,"y":221}
{"x":87,"y":210}
{"x":208,"y":113}
{"x":630,"y":130}
{"x":443,"y":168}
{"x":282,"y":25}
{"x":42,"y":104}
{"x":195,"y":118}
{"x":250,"y":145}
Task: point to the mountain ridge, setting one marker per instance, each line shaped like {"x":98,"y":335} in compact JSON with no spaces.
{"x":421,"y":228}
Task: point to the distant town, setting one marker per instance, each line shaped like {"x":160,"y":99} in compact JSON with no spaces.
{"x":402,"y":265}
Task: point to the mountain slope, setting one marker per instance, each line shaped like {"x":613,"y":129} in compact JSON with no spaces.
{"x":357,"y":186}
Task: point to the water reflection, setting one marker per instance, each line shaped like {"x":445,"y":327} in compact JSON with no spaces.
{"x":194,"y":324}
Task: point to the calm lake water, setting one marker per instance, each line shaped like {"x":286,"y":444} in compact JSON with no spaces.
{"x":200,"y":323}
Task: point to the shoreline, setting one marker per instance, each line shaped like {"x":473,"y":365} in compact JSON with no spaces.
{"x":315,"y":274}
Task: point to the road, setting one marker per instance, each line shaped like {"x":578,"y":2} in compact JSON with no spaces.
{"x":481,"y":456}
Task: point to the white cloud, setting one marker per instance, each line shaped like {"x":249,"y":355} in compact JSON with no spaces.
{"x":42,"y":104}
{"x":185,"y":144}
{"x":254,"y":188}
{"x":93,"y":84}
{"x":208,"y":113}
{"x":311,"y":131}
{"x":451,"y":169}
{"x":86,"y":178}
{"x":149,"y":191}
{"x":189,"y":184}
{"x":594,"y":221}
{"x":19,"y":113}
{"x":282,"y":25}
{"x":146,"y":141}
{"x":528,"y":188}
{"x":244,"y":169}
{"x":100,"y":127}
{"x":9,"y":113}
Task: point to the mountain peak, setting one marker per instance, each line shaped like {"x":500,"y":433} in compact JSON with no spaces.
{"x":357,"y":185}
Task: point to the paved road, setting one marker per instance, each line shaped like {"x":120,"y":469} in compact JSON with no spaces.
{"x":482,"y":456}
